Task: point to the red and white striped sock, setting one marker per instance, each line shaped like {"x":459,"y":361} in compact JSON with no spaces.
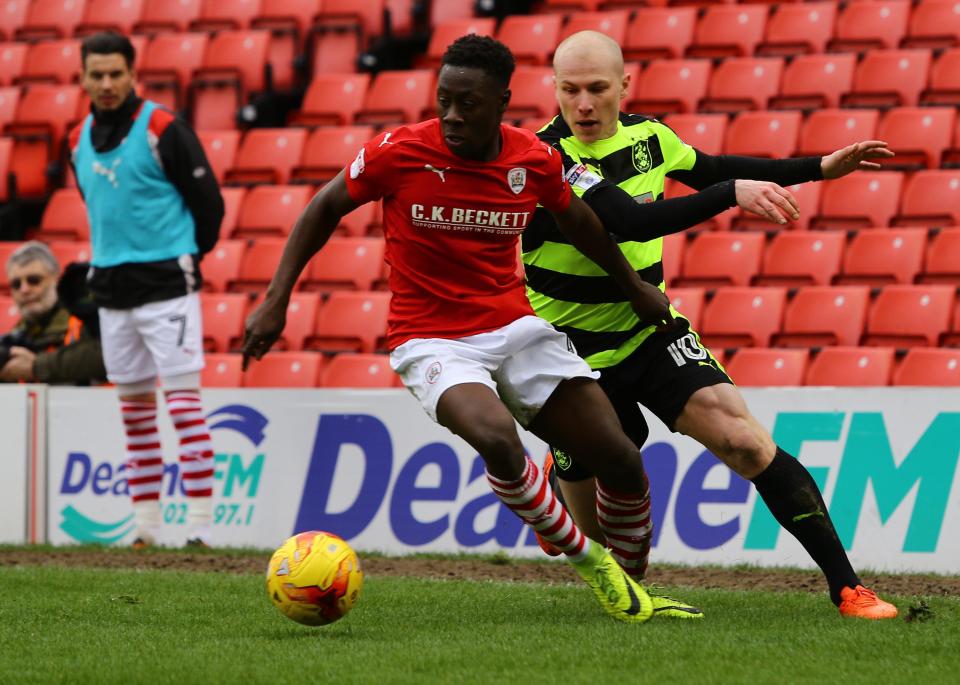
{"x":531,"y":498}
{"x":196,"y":448}
{"x":625,"y":521}
{"x":144,"y":464}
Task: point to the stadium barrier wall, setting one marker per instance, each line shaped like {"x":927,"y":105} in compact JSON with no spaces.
{"x":370,"y":466}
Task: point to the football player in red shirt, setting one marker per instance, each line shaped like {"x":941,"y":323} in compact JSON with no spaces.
{"x":457,"y":192}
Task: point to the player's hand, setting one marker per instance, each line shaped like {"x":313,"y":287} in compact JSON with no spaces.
{"x":652,"y":306}
{"x":19,"y":367}
{"x":262,"y":329}
{"x":767,"y":200}
{"x":853,"y":157}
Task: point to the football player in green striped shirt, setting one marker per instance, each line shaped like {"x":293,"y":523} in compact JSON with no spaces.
{"x":618,"y":162}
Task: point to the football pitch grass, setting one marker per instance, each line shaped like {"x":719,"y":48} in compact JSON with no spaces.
{"x":86,"y":625}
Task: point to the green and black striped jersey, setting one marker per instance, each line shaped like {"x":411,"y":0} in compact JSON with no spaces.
{"x":564,"y":286}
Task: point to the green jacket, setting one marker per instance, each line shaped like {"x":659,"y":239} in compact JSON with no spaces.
{"x":59,"y":362}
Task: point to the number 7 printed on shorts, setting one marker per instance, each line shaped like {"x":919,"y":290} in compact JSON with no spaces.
{"x":182,"y":320}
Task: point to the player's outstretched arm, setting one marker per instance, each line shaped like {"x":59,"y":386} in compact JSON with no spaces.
{"x":310,"y":233}
{"x":855,"y":157}
{"x":584,"y":230}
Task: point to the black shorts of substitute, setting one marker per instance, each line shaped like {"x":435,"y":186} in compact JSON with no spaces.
{"x":661,"y":374}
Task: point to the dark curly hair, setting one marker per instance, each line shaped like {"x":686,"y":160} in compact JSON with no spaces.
{"x":481,"y":52}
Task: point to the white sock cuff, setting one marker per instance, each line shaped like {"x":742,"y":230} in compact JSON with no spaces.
{"x":146,"y":513}
{"x":183,"y":381}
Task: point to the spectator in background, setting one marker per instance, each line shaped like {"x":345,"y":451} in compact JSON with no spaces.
{"x":49,"y":344}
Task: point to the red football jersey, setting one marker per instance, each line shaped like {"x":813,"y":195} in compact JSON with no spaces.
{"x":452,"y":225}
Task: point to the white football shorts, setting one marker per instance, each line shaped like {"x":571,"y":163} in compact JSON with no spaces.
{"x":156,"y":339}
{"x":523,"y":362}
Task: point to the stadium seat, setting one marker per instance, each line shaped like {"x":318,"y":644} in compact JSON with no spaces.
{"x":742,"y":317}
{"x":762,"y":366}
{"x":447,"y":32}
{"x":267,"y":155}
{"x":674,"y":85}
{"x":827,"y":130}
{"x":223,"y":316}
{"x":65,"y":217}
{"x":674,"y":245}
{"x":952,"y":337}
{"x":12,"y":17}
{"x":232,"y":202}
{"x":883,"y":256}
{"x":910,"y":315}
{"x":222,"y":371}
{"x":119,"y":16}
{"x":570,"y":6}
{"x":12,"y":59}
{"x":729,"y":31}
{"x":320,"y":109}
{"x":450,"y":10}
{"x":362,"y":16}
{"x":221,"y":266}
{"x":931,"y":198}
{"x":721,"y":258}
{"x":703,"y":131}
{"x":351,"y":321}
{"x":348,"y":370}
{"x":221,"y":149}
{"x":51,"y":61}
{"x":167,"y":16}
{"x":346,"y":263}
{"x":612,"y":23}
{"x":743,"y":83}
{"x":889,"y":78}
{"x":860,"y":200}
{"x":328,"y":150}
{"x":301,"y":320}
{"x":919,"y":135}
{"x":234,"y":65}
{"x":284,"y":370}
{"x":9,"y":100}
{"x":225,"y":15}
{"x":659,"y":33}
{"x":533,"y":93}
{"x":334,"y":51}
{"x":689,"y":302}
{"x":51,"y":19}
{"x":531,"y":38}
{"x":7,"y":182}
{"x":807,"y":196}
{"x":271,"y":210}
{"x":68,"y":251}
{"x":288,"y":22}
{"x":944,"y":88}
{"x":397,"y":97}
{"x":851,"y":367}
{"x":799,"y":29}
{"x":951,"y":158}
{"x":942,"y":264}
{"x":877,"y":25}
{"x":815,"y":81}
{"x":820,"y":316}
{"x":9,"y":314}
{"x":930,"y":367}
{"x":763,"y":134}
{"x":257,"y":265}
{"x":802,"y":258}
{"x":934,"y":24}
{"x":168,"y":64}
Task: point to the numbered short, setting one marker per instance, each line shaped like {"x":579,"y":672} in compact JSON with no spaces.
{"x":156,"y":339}
{"x":522,"y":362}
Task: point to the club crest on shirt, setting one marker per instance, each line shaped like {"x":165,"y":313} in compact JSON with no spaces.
{"x":642,"y":161}
{"x":357,"y":166}
{"x":433,"y":372}
{"x":517,"y":179}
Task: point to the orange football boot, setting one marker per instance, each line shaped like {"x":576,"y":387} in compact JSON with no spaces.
{"x":547,"y":546}
{"x":861,"y":602}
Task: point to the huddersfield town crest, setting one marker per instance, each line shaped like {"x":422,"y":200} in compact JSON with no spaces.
{"x":642,"y":160}
{"x":517,"y":178}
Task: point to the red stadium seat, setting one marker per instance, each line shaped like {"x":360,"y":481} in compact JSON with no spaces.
{"x":271,"y":210}
{"x":225,"y":15}
{"x":931,"y":198}
{"x":223,"y":316}
{"x":821,"y":315}
{"x":659,"y":33}
{"x":743,"y":317}
{"x":68,"y":251}
{"x":346,"y":263}
{"x":110,"y":15}
{"x":12,"y":17}
{"x":351,"y":322}
{"x":951,"y":158}
{"x":934,"y":24}
{"x":860,"y":200}
{"x":952,"y":338}
{"x":799,"y":29}
{"x":267,"y":155}
{"x":851,"y":367}
{"x":674,"y":85}
{"x":919,"y":135}
{"x":284,"y":370}
{"x":876,"y":25}
{"x":761,"y":366}
{"x":612,"y":23}
{"x":257,"y":265}
{"x":929,"y":366}
{"x":320,"y":109}
{"x":450,"y":10}
{"x":232,"y":202}
{"x":335,"y":52}
{"x":689,"y":302}
{"x":889,"y":78}
{"x":943,"y":258}
{"x":348,"y":370}
{"x":12,"y":59}
{"x":168,"y":64}
{"x":578,"y":6}
{"x":168,"y":16}
{"x":447,"y":32}
{"x":397,"y":96}
{"x":221,"y":149}
{"x":815,"y":81}
{"x":6,"y":176}
{"x":807,"y":196}
{"x":363,"y":16}
{"x":222,"y":371}
{"x":9,"y":314}
{"x":65,"y":216}
{"x":763,"y":134}
{"x":827,"y":130}
{"x":721,"y":258}
{"x":328,"y":150}
{"x":944,"y":81}
{"x":9,"y":100}
{"x":802,"y":258}
{"x":743,"y":83}
{"x":234,"y":65}
{"x":533,"y":93}
{"x":729,"y":31}
{"x":51,"y":19}
{"x":910,"y":315}
{"x":703,"y":131}
{"x":301,"y":320}
{"x":531,"y":38}
{"x":288,"y":22}
{"x":52,"y":61}
{"x":884,"y":256}
{"x":673,"y":249}
{"x":221,"y":266}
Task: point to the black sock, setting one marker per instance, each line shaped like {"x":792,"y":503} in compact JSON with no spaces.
{"x":794,"y":499}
